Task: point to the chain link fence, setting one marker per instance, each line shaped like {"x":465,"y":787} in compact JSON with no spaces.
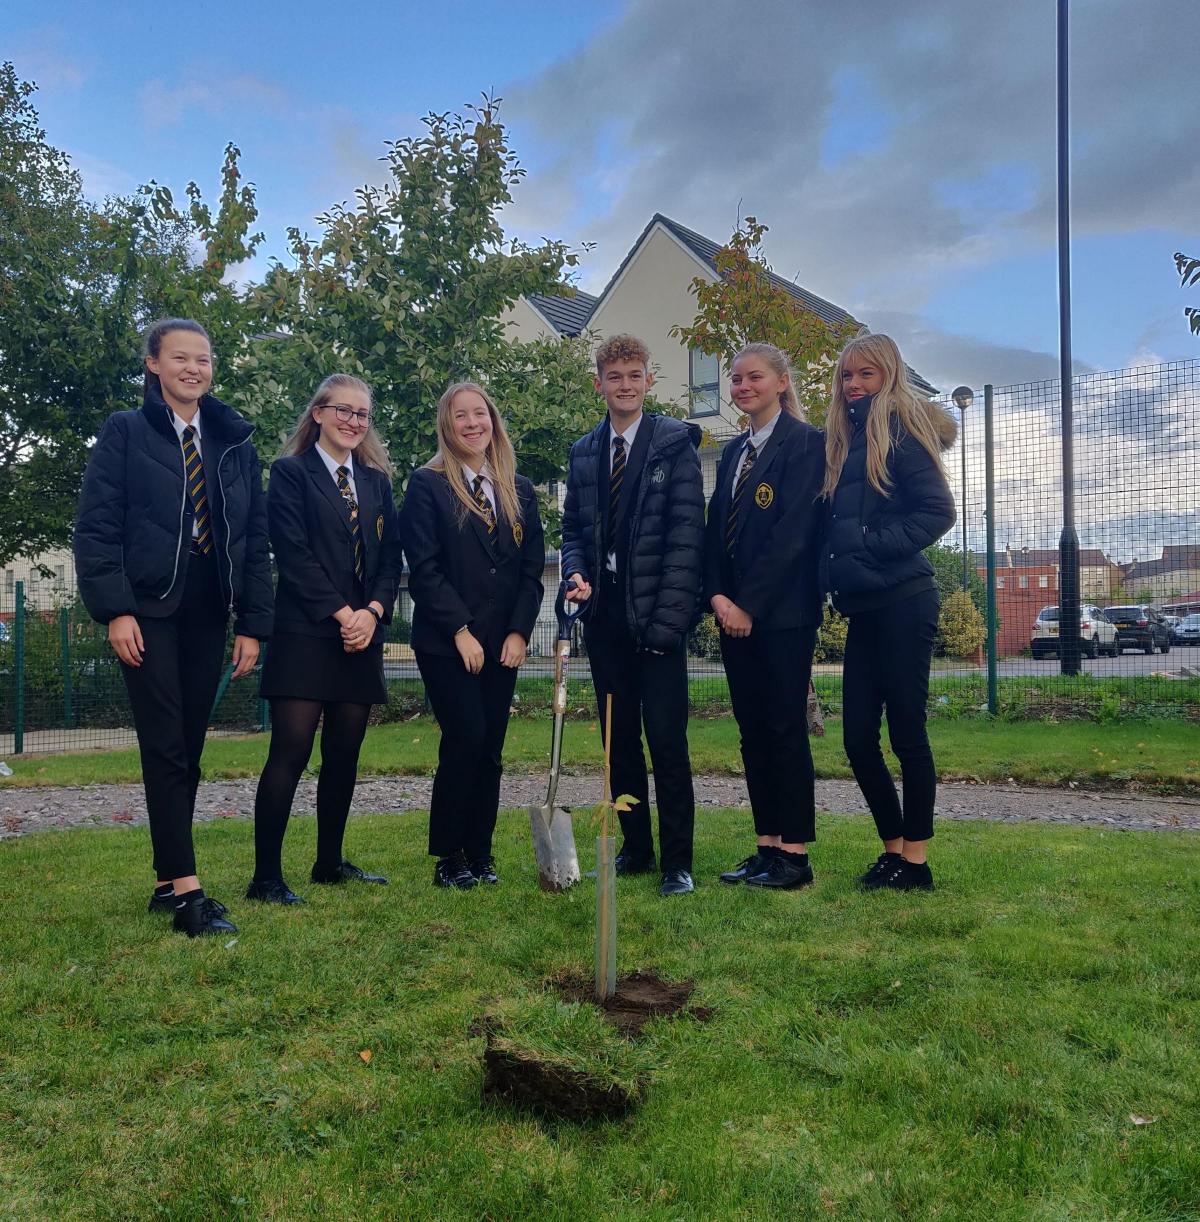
{"x":1137,"y":481}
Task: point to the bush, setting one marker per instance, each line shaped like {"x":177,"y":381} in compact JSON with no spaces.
{"x":960,"y":626}
{"x":831,"y":636}
{"x":704,"y":641}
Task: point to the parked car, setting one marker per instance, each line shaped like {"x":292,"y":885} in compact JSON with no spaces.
{"x":1172,"y":622}
{"x":1096,"y":634}
{"x":1189,"y":630}
{"x":1140,"y":626}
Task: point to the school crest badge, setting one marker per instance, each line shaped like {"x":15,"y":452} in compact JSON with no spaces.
{"x":657,"y":475}
{"x":764,"y":494}
{"x":518,"y":533}
{"x":379,"y":528}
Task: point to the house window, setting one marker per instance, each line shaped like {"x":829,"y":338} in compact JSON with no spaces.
{"x":704,"y":378}
{"x":1023,"y":583}
{"x":1043,"y":582}
{"x":999,"y":583}
{"x":10,"y":582}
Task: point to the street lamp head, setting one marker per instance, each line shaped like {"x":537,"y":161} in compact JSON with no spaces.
{"x":963,"y":397}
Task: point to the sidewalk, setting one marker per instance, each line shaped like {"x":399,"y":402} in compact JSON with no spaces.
{"x":40,"y":809}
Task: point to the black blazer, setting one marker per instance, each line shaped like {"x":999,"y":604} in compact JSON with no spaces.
{"x":773,"y":572}
{"x":454,"y":576}
{"x":314,"y":550}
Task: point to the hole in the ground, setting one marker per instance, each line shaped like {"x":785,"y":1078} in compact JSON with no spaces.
{"x":639,"y":997}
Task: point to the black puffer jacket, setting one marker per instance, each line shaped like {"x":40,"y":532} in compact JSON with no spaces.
{"x":873,"y":543}
{"x":134,"y":525}
{"x":666,"y":529}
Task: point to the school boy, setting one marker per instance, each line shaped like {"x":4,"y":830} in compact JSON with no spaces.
{"x":633,"y":535}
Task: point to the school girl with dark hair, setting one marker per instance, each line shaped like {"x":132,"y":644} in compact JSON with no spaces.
{"x":887,"y":500}
{"x":475,"y":549}
{"x":335,"y":534}
{"x":170,"y":540}
{"x":761,"y":581}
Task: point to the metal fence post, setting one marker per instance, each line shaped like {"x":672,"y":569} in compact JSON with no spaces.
{"x":990,"y":515}
{"x":64,"y":624}
{"x":264,"y":715}
{"x":19,"y":671}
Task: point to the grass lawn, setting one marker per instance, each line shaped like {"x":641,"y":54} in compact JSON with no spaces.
{"x":977,"y":1052}
{"x":1160,"y":754}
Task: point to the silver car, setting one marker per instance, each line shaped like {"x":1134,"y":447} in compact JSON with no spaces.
{"x":1188,"y":630}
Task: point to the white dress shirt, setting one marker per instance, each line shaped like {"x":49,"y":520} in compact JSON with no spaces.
{"x":627,"y":437}
{"x":332,"y":464}
{"x":488,"y":490}
{"x":757,"y":440}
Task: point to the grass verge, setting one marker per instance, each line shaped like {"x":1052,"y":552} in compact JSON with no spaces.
{"x":981,"y":1050}
{"x":1160,"y":755}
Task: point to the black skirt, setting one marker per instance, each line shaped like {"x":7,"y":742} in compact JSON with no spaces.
{"x":318,"y":668}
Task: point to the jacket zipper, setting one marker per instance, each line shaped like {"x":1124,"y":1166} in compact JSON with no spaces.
{"x":225,"y":514}
{"x":178,"y":541}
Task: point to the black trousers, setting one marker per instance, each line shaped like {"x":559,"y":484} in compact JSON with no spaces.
{"x":472,"y":712}
{"x":768,"y":673}
{"x":888,"y":653}
{"x":651,"y":690}
{"x":171,"y":695}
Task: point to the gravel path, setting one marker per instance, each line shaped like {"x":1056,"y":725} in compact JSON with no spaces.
{"x":39,"y":809}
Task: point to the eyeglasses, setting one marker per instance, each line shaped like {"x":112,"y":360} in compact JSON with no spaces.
{"x":348,"y":415}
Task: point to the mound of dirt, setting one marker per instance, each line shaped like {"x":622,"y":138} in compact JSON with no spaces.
{"x":639,"y":997}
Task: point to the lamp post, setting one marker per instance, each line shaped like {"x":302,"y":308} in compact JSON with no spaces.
{"x":1068,"y":541}
{"x":963,"y":397}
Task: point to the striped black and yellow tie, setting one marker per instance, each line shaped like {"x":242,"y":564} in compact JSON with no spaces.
{"x":735,"y":503}
{"x":343,"y":482}
{"x":615,"y":480}
{"x":485,"y":508}
{"x":202,"y":539}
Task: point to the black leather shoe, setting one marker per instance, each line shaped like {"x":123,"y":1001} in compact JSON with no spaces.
{"x":272,"y":891}
{"x":756,"y":863}
{"x":783,"y":872}
{"x":453,"y":872}
{"x":161,"y":903}
{"x":202,"y":917}
{"x":632,"y":863}
{"x":166,"y":903}
{"x":885,"y":863}
{"x":483,"y":870}
{"x":676,"y":882}
{"x":907,"y":875}
{"x":347,"y":872}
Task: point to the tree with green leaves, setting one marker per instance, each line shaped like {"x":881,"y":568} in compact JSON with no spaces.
{"x":744,"y":305}
{"x":65,"y":294}
{"x":78,"y":284}
{"x":177,"y":282}
{"x":405,"y":288}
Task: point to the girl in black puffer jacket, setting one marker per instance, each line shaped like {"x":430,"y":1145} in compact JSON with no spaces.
{"x":887,"y":499}
{"x":170,"y":540}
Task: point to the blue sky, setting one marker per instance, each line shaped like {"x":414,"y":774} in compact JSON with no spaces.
{"x":902,"y":156}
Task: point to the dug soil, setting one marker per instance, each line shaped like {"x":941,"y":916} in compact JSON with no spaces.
{"x":639,"y":997}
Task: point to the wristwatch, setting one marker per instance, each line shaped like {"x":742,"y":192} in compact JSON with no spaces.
{"x":378,"y":617}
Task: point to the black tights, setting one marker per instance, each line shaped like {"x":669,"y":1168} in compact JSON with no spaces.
{"x":293,"y":728}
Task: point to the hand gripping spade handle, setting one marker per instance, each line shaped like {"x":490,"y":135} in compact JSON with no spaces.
{"x":553,"y":835}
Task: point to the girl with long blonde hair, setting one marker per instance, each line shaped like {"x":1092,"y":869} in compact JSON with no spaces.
{"x":760,"y":579}
{"x":473,"y":538}
{"x":886,"y":500}
{"x":336,"y":537}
